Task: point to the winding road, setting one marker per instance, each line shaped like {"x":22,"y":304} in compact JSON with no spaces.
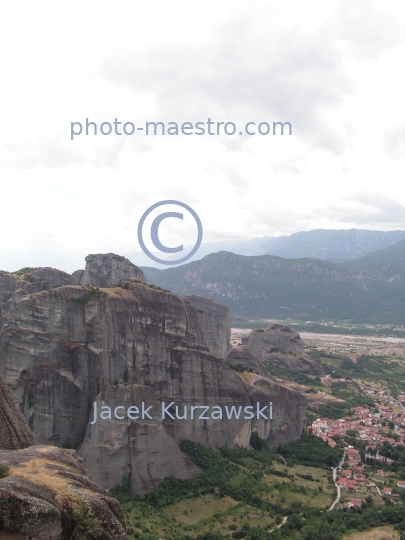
{"x":337,"y":486}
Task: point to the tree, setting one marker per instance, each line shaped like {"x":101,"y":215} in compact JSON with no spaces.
{"x":257,"y":443}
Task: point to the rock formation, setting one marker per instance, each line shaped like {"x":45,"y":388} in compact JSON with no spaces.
{"x":215,"y":319}
{"x":8,"y":285}
{"x":13,"y":287}
{"x":288,"y":409}
{"x":281,"y":346}
{"x":140,"y":449}
{"x":106,"y":270}
{"x":48,"y":495}
{"x":64,"y":348}
{"x":144,"y":451}
{"x":241,"y":358}
{"x":45,"y":492}
{"x":14,"y":432}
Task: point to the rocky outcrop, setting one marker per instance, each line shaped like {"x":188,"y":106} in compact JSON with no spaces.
{"x":14,"y":432}
{"x":241,"y":358}
{"x":288,"y":409}
{"x":106,"y":270}
{"x":48,"y":495}
{"x":215,"y":320}
{"x":65,"y":348}
{"x":62,"y":347}
{"x":140,"y":450}
{"x":144,"y":453}
{"x":13,"y":287}
{"x":281,"y":346}
{"x":8,"y":285}
{"x":45,"y":492}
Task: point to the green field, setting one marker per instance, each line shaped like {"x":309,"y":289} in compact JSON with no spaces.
{"x":237,"y":489}
{"x":248,"y":494}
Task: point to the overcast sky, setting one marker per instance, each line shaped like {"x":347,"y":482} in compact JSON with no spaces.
{"x":334,"y":70}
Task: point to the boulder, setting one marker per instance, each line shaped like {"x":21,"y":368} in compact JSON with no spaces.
{"x":41,"y":488}
{"x":282,"y":346}
{"x":48,"y":495}
{"x":241,"y":358}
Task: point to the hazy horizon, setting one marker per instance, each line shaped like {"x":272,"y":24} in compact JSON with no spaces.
{"x":12,"y":261}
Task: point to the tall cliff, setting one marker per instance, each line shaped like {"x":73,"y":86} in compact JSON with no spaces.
{"x":65,"y":348}
{"x":215,"y":320}
{"x":141,"y":450}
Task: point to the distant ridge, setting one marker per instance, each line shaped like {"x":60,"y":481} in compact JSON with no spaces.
{"x":322,"y":244}
{"x":382,"y":266}
{"x":371,"y":289}
{"x":325,"y":244}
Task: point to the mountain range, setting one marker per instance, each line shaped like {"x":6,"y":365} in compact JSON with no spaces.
{"x":322,"y":244}
{"x":326,"y":244}
{"x":369,"y":289}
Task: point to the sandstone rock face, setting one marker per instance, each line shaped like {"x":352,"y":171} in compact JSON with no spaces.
{"x":13,"y":287}
{"x":241,"y":357}
{"x":282,"y":346}
{"x":143,"y":450}
{"x":63,"y":348}
{"x":107,"y":270}
{"x":57,"y":353}
{"x":14,"y":432}
{"x":288,"y":409}
{"x":8,"y":285}
{"x":215,"y":320}
{"x":140,"y":449}
{"x":39,"y":496}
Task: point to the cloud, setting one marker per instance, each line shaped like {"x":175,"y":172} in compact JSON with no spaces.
{"x":236,"y":74}
{"x":331,"y":69}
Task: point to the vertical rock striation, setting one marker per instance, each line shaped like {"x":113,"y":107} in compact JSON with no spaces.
{"x":14,"y":432}
{"x":215,"y":319}
{"x":139,"y":450}
{"x":64,"y":348}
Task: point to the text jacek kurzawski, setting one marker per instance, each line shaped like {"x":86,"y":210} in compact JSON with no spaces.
{"x":184,"y":412}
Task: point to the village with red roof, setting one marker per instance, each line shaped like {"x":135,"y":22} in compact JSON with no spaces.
{"x":371,"y":427}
